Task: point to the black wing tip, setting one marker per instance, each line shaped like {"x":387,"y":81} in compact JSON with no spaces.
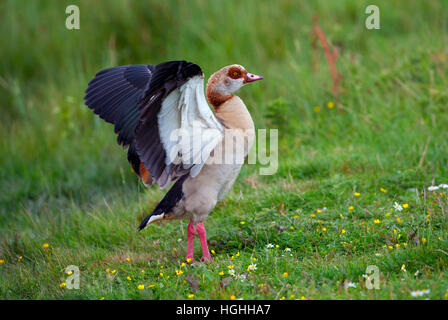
{"x":142,"y":225}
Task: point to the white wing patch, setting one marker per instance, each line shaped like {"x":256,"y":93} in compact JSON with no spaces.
{"x":188,"y":129}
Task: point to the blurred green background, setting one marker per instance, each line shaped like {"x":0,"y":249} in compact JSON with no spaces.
{"x":62,"y":176}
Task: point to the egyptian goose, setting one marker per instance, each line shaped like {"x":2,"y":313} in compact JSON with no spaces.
{"x":161,"y":113}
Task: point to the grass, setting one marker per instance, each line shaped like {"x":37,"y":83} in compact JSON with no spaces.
{"x":65,"y":182}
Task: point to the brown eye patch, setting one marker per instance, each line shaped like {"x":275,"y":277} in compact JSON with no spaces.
{"x":234,"y":73}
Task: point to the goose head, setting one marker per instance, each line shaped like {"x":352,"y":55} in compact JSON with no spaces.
{"x":223,"y":83}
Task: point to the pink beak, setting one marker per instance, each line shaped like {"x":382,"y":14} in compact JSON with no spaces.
{"x":252,"y":77}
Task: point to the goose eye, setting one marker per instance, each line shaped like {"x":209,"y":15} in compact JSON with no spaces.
{"x":234,"y":74}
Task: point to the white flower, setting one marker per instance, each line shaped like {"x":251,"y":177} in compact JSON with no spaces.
{"x":378,"y":254}
{"x":232,"y":272}
{"x":403,"y":268}
{"x":252,"y":267}
{"x":269,"y":246}
{"x":242,"y":277}
{"x":299,"y":210}
{"x":365,"y":276}
{"x":416,"y":273}
{"x":350,"y":285}
{"x":419,"y":293}
{"x":443,"y":186}
{"x":287,"y":249}
{"x":397,"y":206}
{"x":433,"y":188}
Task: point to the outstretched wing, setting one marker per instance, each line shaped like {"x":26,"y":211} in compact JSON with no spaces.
{"x":113,"y":95}
{"x":160,"y":112}
{"x":177,"y":130}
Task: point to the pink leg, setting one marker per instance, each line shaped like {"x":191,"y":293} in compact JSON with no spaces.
{"x":190,"y":236}
{"x":203,"y":238}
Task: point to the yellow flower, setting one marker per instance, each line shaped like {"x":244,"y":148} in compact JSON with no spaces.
{"x":399,"y":220}
{"x":405,"y":205}
{"x":221,"y":273}
{"x":351,"y":208}
{"x":383,"y":190}
{"x":390,"y":247}
{"x":243,"y":222}
{"x":291,"y":227}
{"x":129,"y":278}
{"x":292,"y":296}
{"x":343,"y":231}
{"x":102,"y":298}
{"x":282,"y":298}
{"x":174,"y":249}
{"x":161,"y":274}
{"x":357,"y":194}
{"x":424,"y":240}
{"x":213,"y":251}
{"x":113,"y":271}
{"x":107,"y":270}
{"x":2,"y":261}
{"x":387,"y":214}
{"x":190,"y":296}
{"x":45,"y":245}
{"x":151,"y":285}
{"x":69,"y":272}
{"x":397,"y":245}
{"x":277,"y":246}
{"x":324,"y":229}
{"x":232,"y":297}
{"x":376,"y":221}
{"x":179,"y":272}
{"x":312,"y":215}
{"x":19,"y":258}
{"x":285,"y":274}
{"x":296,"y":217}
{"x":341,"y":215}
{"x":316,"y":109}
{"x":405,"y":244}
{"x":188,"y":260}
{"x":318,"y":211}
{"x":302,"y":298}
{"x":182,"y":264}
{"x":141,"y":286}
{"x":62,"y":285}
{"x":128,"y":259}
{"x":143,"y":270}
{"x":237,"y":254}
{"x":330,"y":104}
{"x":230,"y":266}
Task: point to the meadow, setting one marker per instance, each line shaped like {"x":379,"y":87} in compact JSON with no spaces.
{"x":351,"y":188}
